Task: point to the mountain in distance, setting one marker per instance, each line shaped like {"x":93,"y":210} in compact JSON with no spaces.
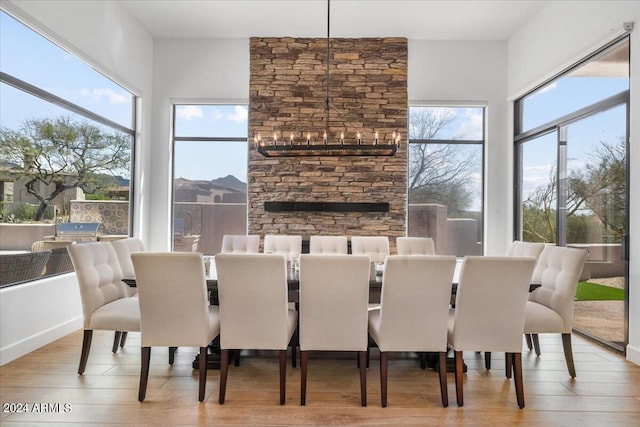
{"x":230,"y":181}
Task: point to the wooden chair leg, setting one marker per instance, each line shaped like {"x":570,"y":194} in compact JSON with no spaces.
{"x":517,"y":377}
{"x":508,"y":365}
{"x":116,"y":342}
{"x":283,"y":375}
{"x":487,"y":360}
{"x":145,"y":357}
{"x":123,"y":338}
{"x":303,"y":377}
{"x":172,"y":354}
{"x":202,"y":368}
{"x":362,"y":356}
{"x":423,"y":360}
{"x":536,"y":344}
{"x":568,"y":354}
{"x":384,"y":371}
{"x":527,"y":338}
{"x":86,"y":346}
{"x":294,"y":348}
{"x":224,"y":368}
{"x":236,"y":357}
{"x":458,"y":376}
{"x":442,"y":368}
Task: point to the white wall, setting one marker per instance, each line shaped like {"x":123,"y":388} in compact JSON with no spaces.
{"x":556,"y":37}
{"x":188,"y":71}
{"x":105,"y":36}
{"x":475,"y":72}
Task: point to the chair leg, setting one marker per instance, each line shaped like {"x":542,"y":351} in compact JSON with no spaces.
{"x":487,"y":360}
{"x":283,"y":375}
{"x":527,"y":338}
{"x":202,"y":368}
{"x":536,"y":344}
{"x":86,"y":346}
{"x":508,"y":365}
{"x":145,"y":357}
{"x":423,"y":360}
{"x":224,"y":369}
{"x":384,"y":366}
{"x":458,"y":376}
{"x":362,"y":356}
{"x":236,"y":357}
{"x":442,"y":368}
{"x":568,"y":354}
{"x":294,"y":348}
{"x":123,"y":338}
{"x":303,"y":377}
{"x":172,"y":354}
{"x":116,"y":342}
{"x":517,"y":377}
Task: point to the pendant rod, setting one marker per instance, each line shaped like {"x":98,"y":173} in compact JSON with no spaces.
{"x":326,"y":124}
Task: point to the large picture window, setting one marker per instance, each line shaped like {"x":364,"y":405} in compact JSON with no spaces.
{"x":66,"y":146}
{"x":445,"y":183}
{"x":209,"y":175}
{"x":571,"y":168}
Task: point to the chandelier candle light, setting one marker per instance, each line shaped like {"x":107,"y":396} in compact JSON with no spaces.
{"x":308,"y":147}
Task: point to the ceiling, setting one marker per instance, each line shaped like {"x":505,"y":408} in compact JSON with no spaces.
{"x":414,"y":19}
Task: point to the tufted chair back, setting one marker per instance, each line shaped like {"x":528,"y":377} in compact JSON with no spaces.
{"x":328,"y":245}
{"x":99,"y":276}
{"x":415,"y":246}
{"x":124,"y":248}
{"x":377,"y":247}
{"x":288,"y":245}
{"x":237,"y":244}
{"x":519,"y":248}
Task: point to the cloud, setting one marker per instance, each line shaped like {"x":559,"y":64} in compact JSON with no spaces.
{"x":189,"y":112}
{"x":113,"y":97}
{"x":472,"y":125}
{"x":239,"y":114}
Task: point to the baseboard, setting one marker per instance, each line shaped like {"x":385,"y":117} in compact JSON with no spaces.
{"x":29,"y":344}
{"x":633,"y":354}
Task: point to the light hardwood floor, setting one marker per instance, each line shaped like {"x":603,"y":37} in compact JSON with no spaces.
{"x":605,"y":392}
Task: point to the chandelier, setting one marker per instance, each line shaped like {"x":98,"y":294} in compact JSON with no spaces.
{"x":353,"y":145}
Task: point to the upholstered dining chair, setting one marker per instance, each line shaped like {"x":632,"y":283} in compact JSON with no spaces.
{"x":328,"y":245}
{"x":234,"y":243}
{"x":377,"y":247}
{"x":334,"y":295}
{"x":415,"y":246}
{"x":174,"y":308}
{"x":489,"y":312}
{"x":414,"y":311}
{"x":124,"y":248}
{"x":105,"y":301}
{"x":518,"y":248}
{"x":550,"y":307}
{"x":288,"y":245}
{"x":254,"y":312}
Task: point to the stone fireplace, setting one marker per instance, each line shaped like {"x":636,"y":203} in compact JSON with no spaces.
{"x":330,"y":195}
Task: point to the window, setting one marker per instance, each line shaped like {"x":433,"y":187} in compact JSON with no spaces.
{"x":66,"y":140}
{"x":445,"y":185}
{"x":209,"y":175}
{"x":571,"y":189}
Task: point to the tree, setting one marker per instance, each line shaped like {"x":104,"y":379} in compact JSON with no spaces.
{"x":66,"y":153}
{"x":439,"y":173}
{"x":596,"y":196}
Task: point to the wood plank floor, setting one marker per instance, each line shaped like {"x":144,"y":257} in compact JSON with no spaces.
{"x":605,"y":392}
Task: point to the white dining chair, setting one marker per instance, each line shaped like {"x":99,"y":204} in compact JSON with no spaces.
{"x":234,"y":244}
{"x":104,"y":296}
{"x":288,"y":245}
{"x":414,"y":311}
{"x":415,"y":246}
{"x":174,"y":309}
{"x":489,"y":312}
{"x":124,"y":248}
{"x":254,"y":311}
{"x":328,"y":245}
{"x":377,"y":247}
{"x":550,"y":307}
{"x":334,"y":294}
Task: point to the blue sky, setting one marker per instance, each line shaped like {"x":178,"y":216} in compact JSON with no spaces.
{"x":32,"y":58}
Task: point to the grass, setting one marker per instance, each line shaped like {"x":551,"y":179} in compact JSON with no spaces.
{"x":588,"y":291}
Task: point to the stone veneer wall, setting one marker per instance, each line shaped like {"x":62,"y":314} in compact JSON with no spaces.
{"x":368,"y":93}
